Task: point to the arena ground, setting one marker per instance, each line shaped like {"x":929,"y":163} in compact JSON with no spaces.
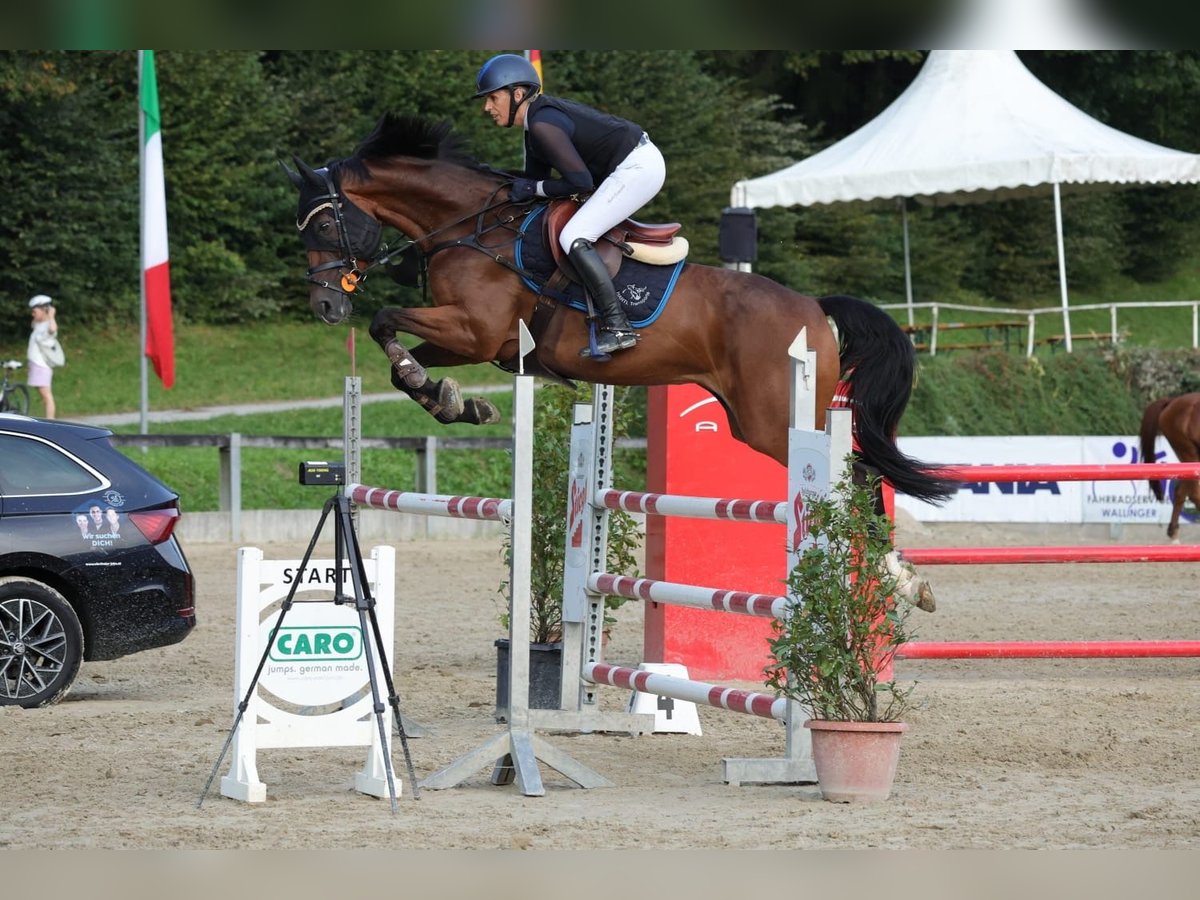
{"x":1057,"y":754}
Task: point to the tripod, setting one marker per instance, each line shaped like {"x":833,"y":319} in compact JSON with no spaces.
{"x":347,"y":555}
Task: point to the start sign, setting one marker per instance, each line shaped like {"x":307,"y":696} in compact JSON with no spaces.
{"x":314,"y":661}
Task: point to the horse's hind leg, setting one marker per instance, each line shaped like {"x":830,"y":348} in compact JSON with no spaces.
{"x":1185,"y":489}
{"x":1176,"y":509}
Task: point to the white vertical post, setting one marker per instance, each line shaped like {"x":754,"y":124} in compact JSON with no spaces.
{"x":352,"y":435}
{"x":519,"y":579}
{"x":1062,"y":266}
{"x":242,"y":782}
{"x":908,"y":292}
{"x":516,"y":752}
{"x":235,"y":487}
{"x":803,"y":411}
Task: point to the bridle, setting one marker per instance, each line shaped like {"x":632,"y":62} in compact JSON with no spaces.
{"x":357,"y":231}
{"x":367,"y":233}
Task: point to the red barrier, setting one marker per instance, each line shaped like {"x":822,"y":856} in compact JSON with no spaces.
{"x":691,"y":453}
{"x":1081,"y":472}
{"x":968,"y":556}
{"x":1048,"y":649}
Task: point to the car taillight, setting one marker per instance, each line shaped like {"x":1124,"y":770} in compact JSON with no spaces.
{"x":156,"y":524}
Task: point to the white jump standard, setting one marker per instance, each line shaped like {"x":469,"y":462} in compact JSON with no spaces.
{"x":585,"y":582}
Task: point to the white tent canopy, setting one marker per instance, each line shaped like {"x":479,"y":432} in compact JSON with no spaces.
{"x":974,"y":125}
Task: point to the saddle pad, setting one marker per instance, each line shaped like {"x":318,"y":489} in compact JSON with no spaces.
{"x":643,"y":289}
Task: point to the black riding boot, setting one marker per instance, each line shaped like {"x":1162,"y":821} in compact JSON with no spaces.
{"x":614,"y":332}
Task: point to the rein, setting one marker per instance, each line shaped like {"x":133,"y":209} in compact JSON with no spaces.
{"x":352,"y":280}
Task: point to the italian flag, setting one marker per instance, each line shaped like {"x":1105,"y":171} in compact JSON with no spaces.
{"x":156,"y":279}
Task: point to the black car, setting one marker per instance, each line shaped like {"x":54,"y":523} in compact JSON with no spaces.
{"x":90,"y":567}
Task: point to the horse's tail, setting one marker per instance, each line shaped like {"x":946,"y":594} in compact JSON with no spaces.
{"x":1148,"y":433}
{"x":879,"y":361}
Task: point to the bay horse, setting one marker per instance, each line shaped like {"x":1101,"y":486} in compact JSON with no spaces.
{"x":1178,"y":420}
{"x":726,"y":331}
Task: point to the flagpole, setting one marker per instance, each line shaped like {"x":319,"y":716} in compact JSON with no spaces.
{"x":145,"y":385}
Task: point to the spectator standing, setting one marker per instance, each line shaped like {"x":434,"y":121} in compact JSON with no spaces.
{"x":45,"y":353}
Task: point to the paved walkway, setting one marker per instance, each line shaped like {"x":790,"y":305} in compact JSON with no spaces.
{"x":108,"y":420}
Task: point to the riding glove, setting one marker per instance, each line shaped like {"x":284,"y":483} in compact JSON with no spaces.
{"x":523,"y":190}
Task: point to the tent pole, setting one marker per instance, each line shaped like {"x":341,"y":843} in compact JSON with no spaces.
{"x":1062,"y":267}
{"x":907,"y":262}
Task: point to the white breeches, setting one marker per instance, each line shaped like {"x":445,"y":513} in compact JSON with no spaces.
{"x":631,"y":186}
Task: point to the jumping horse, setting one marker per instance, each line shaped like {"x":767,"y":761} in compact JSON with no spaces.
{"x":726,"y":331}
{"x":1178,"y":420}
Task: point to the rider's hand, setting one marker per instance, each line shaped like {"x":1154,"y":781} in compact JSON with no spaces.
{"x":523,"y":190}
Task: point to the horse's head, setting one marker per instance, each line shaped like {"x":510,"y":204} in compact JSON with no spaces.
{"x":340,"y":238}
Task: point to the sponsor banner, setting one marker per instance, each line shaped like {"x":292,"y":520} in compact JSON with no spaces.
{"x":1114,"y":502}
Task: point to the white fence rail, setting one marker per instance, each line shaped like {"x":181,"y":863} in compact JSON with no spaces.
{"x":1029,"y":318}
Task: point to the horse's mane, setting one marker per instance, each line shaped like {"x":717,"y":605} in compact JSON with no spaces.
{"x":417,"y":136}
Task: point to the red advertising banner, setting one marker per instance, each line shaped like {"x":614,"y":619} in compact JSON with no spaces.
{"x":691,"y":452}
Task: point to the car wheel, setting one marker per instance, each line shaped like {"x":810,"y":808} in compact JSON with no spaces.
{"x":41,"y":644}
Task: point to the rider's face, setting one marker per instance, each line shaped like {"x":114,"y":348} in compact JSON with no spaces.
{"x":496,"y":104}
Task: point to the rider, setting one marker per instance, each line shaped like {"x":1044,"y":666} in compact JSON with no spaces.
{"x":593,"y":152}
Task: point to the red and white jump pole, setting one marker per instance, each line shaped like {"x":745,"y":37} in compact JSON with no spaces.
{"x":485,"y":508}
{"x":751,"y":702}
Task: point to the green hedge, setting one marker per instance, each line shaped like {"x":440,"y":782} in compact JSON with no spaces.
{"x":1086,"y":392}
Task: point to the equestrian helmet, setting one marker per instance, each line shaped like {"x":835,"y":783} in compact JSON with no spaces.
{"x":505,"y":70}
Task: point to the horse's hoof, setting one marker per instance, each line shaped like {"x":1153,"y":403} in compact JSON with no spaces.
{"x":478,"y":411}
{"x":925,"y":599}
{"x":449,"y":398}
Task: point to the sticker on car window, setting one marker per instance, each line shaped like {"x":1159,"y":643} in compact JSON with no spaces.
{"x":99,"y":524}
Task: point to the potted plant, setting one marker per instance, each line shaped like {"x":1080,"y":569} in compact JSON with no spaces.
{"x":553,"y":417}
{"x":834,"y":652}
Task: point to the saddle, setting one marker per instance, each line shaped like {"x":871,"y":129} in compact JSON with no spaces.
{"x":658,"y":245}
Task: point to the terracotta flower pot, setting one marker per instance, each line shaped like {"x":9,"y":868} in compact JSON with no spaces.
{"x":855,"y":761}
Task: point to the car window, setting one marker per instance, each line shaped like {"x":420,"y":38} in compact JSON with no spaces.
{"x":29,"y":466}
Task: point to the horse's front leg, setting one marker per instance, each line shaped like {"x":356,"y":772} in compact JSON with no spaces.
{"x":442,"y":399}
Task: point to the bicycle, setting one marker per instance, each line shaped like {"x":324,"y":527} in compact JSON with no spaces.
{"x":14,"y":396}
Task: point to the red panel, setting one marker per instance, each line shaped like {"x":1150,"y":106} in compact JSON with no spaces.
{"x":690,"y":452}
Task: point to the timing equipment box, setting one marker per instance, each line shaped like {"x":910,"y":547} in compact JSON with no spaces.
{"x":322,"y":473}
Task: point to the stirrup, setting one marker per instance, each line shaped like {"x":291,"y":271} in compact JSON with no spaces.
{"x":609,"y":341}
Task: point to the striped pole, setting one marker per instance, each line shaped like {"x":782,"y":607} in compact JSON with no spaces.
{"x":764,"y":605}
{"x":752,"y":702}
{"x":774,"y":511}
{"x":486,"y":508}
